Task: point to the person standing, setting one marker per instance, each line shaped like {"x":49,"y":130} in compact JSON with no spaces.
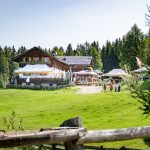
{"x":119,"y":86}
{"x":111,"y":86}
{"x":28,"y":81}
{"x":116,"y":87}
{"x":104,"y":87}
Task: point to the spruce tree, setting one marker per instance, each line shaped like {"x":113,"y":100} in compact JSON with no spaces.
{"x":107,"y":59}
{"x":135,"y":85}
{"x":81,"y":50}
{"x":87,"y":48}
{"x":147,"y":16}
{"x":69,"y":51}
{"x":23,"y":49}
{"x":4,"y":69}
{"x":103,"y":57}
{"x":146,"y":58}
{"x":96,"y":59}
{"x":133,"y":46}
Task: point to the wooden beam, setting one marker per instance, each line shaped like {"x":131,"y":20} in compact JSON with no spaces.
{"x":66,"y":134}
{"x":48,"y":136}
{"x":98,"y":136}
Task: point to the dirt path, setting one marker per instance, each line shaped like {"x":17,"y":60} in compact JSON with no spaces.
{"x":89,"y":89}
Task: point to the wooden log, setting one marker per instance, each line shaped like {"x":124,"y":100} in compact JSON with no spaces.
{"x":97,"y":136}
{"x":73,"y":122}
{"x":75,"y":136}
{"x":25,"y":138}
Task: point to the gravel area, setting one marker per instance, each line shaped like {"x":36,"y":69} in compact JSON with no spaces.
{"x":89,"y":89}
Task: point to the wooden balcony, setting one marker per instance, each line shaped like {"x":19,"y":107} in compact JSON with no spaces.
{"x":22,"y":64}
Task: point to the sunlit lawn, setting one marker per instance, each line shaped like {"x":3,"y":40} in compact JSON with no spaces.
{"x":42,"y":109}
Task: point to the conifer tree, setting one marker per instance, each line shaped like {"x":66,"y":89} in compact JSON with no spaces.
{"x":146,"y":57}
{"x":96,"y":59}
{"x":133,"y":46}
{"x":87,"y":48}
{"x":22,"y":49}
{"x":81,"y":50}
{"x":147,"y":16}
{"x":69,"y":51}
{"x":4,"y":69}
{"x":135,"y":86}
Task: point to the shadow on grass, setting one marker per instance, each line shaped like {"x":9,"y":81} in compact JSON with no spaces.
{"x":147,"y":141}
{"x":146,"y":85}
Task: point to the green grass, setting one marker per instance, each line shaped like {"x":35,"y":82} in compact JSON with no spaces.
{"x":42,"y":109}
{"x":146,"y":85}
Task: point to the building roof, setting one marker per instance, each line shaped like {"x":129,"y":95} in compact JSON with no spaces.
{"x":76,"y":60}
{"x":67,"y":60}
{"x":37,"y":49}
{"x":36,"y":68}
{"x":98,"y":71}
{"x":116,"y":72}
{"x":86,"y":72}
{"x":140,"y":70}
{"x":27,"y":51}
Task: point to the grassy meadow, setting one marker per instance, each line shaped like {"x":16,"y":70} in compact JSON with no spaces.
{"x":42,"y":109}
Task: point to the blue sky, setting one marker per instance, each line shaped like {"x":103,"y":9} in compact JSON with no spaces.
{"x":50,"y":23}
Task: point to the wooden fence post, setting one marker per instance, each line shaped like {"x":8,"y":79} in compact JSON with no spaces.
{"x":73,"y":122}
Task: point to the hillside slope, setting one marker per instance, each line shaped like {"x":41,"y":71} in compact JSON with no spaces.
{"x":41,"y":109}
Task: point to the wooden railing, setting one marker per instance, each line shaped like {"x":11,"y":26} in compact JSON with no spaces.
{"x":72,"y":134}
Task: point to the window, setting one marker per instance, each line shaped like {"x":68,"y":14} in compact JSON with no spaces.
{"x":26,"y":74}
{"x":42,"y":74}
{"x":35,"y":59}
{"x":27,"y":59}
{"x":24,"y":59}
{"x":46,"y":59}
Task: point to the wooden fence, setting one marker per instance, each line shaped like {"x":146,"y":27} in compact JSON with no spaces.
{"x":37,"y":87}
{"x":72,"y":135}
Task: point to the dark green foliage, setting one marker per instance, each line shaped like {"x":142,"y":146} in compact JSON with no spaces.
{"x":81,"y":50}
{"x":10,"y":53}
{"x":137,"y":89}
{"x":7,"y":66}
{"x":133,"y":46}
{"x":146,"y":56}
{"x":4,"y":69}
{"x":123,"y":52}
{"x":96,"y":58}
{"x":110,"y":55}
{"x":87,"y":47}
{"x":94,"y":51}
{"x":69,"y":50}
{"x":142,"y":92}
{"x":21,"y":49}
{"x":3,"y":62}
